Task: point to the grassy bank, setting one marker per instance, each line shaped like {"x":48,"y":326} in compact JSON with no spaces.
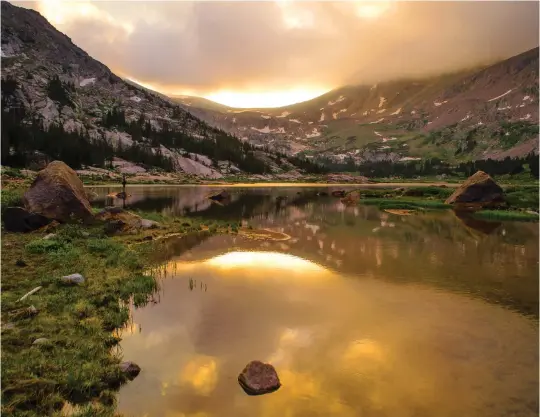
{"x":508,"y":215}
{"x":73,"y":360}
{"x":521,"y":201}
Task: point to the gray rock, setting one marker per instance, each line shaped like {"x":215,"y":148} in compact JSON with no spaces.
{"x":40,"y":341}
{"x":32,"y":311}
{"x":149,"y":224}
{"x":73,"y":279}
{"x":85,"y":234}
{"x":259,"y":378}
{"x":131,"y":369}
{"x":50,"y":236}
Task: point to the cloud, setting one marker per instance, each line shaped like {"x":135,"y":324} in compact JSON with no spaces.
{"x":283,"y":45}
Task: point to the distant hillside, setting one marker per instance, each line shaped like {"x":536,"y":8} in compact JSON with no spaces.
{"x":489,"y":112}
{"x":60,"y":103}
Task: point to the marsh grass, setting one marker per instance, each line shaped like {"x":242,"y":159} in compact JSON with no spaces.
{"x":75,"y":365}
{"x":404,"y":204}
{"x":509,"y":215}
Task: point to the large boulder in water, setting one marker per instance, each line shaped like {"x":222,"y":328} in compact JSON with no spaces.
{"x":57,"y":193}
{"x":259,"y":378}
{"x":17,"y":219}
{"x":478,"y":191}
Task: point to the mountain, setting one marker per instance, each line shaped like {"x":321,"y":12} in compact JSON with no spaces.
{"x":489,"y":112}
{"x":60,"y":103}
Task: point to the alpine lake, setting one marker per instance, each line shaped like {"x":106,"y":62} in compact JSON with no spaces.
{"x":361,"y":311}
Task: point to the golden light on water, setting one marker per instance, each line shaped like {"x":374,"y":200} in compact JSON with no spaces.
{"x":267,"y":260}
{"x":201,"y":373}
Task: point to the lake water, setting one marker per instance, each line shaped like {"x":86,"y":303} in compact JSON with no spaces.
{"x":362,"y":312}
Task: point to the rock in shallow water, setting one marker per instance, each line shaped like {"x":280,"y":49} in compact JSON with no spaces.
{"x":131,"y":369}
{"x":259,"y":378}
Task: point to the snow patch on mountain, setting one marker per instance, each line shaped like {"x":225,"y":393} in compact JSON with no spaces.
{"x":87,"y":81}
{"x":382,"y":100}
{"x":502,"y":95}
{"x":377,"y":121}
{"x":313,"y":134}
{"x":396,"y":112}
{"x":265,"y":129}
{"x":264,"y":116}
{"x":339,"y":99}
{"x":284,"y":114}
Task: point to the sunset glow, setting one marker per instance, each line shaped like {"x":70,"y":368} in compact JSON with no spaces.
{"x":264,"y":98}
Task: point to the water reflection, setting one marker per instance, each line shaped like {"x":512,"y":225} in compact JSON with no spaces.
{"x":362,"y":312}
{"x":342,"y":346}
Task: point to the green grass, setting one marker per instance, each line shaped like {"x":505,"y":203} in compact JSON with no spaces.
{"x":11,"y":198}
{"x":509,"y":215}
{"x":405,"y":204}
{"x":522,"y":197}
{"x":77,"y":364}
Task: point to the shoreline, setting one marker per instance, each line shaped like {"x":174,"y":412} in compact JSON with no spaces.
{"x":283,"y":184}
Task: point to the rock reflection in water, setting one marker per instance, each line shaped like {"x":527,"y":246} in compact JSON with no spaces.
{"x":342,"y":346}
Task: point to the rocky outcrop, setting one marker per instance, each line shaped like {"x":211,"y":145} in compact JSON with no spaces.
{"x":259,"y":378}
{"x":57,"y":193}
{"x":478,"y":191}
{"x":17,"y":219}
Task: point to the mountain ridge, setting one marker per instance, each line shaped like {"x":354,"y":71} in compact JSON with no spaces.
{"x":57,"y":98}
{"x":453,"y":105}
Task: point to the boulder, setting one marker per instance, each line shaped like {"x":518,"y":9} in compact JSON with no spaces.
{"x":58,"y":194}
{"x":352,"y":198}
{"x":17,"y":219}
{"x":259,"y":378}
{"x":478,"y":191}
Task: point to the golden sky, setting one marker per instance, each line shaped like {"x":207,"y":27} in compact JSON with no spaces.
{"x":272,"y":53}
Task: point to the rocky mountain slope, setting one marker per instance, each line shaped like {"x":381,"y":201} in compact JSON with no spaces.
{"x":55,"y":94}
{"x":480,"y":113}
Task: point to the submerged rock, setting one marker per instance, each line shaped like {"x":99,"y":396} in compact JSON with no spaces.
{"x":478,"y":191}
{"x":119,"y":220}
{"x":17,"y":219}
{"x":223,"y":195}
{"x":338,"y":193}
{"x":58,"y":194}
{"x":259,"y":378}
{"x":131,"y":369}
{"x":73,"y":279}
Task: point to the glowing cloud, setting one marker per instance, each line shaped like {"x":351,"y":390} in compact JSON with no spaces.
{"x":263,"y":99}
